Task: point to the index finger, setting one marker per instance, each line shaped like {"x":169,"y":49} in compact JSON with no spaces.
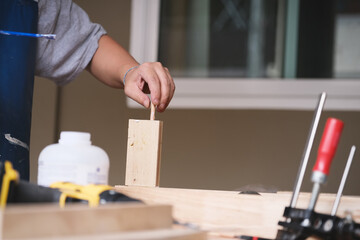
{"x":150,"y":76}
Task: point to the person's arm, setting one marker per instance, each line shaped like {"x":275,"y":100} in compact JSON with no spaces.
{"x":111,"y":62}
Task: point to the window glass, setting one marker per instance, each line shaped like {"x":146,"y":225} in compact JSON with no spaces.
{"x":347,"y":40}
{"x":251,"y":38}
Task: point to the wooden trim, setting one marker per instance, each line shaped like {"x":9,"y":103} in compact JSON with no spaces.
{"x":144,"y":30}
{"x":284,"y":94}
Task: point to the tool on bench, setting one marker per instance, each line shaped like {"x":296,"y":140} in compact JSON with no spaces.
{"x":300,"y":224}
{"x":14,"y":190}
{"x":308,"y":146}
{"x":306,"y":222}
{"x":326,"y":152}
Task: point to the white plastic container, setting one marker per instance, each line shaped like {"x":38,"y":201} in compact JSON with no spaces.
{"x":74,"y":160}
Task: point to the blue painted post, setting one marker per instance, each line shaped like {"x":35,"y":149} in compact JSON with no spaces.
{"x":17,"y":63}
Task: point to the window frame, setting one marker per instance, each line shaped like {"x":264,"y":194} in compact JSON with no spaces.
{"x":236,"y":93}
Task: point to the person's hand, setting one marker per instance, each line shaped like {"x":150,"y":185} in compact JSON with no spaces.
{"x":150,"y":78}
{"x":111,"y":62}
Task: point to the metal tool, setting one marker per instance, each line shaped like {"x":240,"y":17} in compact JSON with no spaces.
{"x":343,"y":180}
{"x":326,"y":152}
{"x":307,"y":150}
{"x":303,"y":223}
{"x":300,"y":224}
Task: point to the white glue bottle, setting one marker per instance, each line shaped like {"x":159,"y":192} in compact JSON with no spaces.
{"x":73,"y":160}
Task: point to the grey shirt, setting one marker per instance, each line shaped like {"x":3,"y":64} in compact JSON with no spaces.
{"x":76,"y":40}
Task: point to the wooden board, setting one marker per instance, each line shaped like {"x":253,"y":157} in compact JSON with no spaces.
{"x":143,"y":153}
{"x":45,"y":221}
{"x":228,"y":213}
{"x":159,"y":234}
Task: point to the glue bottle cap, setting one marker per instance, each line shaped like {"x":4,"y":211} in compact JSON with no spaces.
{"x":68,"y":137}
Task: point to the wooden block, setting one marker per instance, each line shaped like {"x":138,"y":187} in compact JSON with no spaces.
{"x":228,"y":213}
{"x":34,"y":221}
{"x":143,"y":153}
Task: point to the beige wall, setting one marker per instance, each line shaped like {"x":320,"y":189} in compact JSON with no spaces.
{"x":211,"y":149}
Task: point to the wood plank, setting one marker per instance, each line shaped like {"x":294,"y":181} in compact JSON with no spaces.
{"x":143,"y":153}
{"x":228,"y":213}
{"x":49,"y":220}
{"x":160,"y":234}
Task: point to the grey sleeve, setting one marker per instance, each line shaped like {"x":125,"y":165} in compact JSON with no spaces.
{"x":76,"y":40}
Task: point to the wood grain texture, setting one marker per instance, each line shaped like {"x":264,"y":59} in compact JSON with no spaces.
{"x":143,"y":153}
{"x":158,"y":234}
{"x":228,"y":213}
{"x":46,"y":221}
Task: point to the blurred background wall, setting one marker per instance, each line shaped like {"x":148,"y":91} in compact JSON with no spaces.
{"x":205,"y":149}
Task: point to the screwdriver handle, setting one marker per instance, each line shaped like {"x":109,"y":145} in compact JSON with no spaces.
{"x":326,"y":152}
{"x":328,"y":145}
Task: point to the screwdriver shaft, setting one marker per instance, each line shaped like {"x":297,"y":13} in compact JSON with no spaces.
{"x":308,"y":146}
{"x":314,"y":196}
{"x":343,"y":180}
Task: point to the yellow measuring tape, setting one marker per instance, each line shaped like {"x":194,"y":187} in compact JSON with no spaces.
{"x":90,"y":193}
{"x":9,"y":176}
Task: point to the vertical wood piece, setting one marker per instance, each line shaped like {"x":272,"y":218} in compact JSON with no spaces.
{"x":143,"y":153}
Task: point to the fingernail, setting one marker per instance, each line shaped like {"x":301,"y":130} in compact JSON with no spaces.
{"x":162,"y":106}
{"x":146,"y":104}
{"x":155,"y":102}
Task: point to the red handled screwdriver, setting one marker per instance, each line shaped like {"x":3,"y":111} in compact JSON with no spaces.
{"x":326,"y":152}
